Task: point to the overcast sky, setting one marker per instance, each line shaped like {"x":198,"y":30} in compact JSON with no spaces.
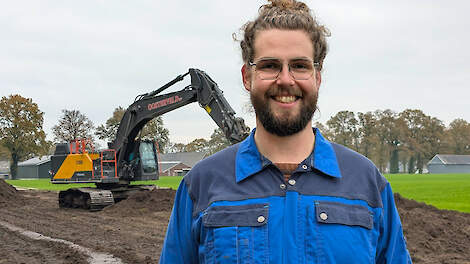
{"x":94,"y":56}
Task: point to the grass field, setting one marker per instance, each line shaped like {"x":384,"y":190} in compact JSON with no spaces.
{"x":45,"y":184}
{"x":444,"y":191}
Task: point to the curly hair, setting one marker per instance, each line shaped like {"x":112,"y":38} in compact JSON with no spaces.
{"x":289,"y":15}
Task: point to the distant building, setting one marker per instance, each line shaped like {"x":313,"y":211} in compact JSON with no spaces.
{"x":178,"y":164}
{"x":449,"y":164}
{"x":4,"y":169}
{"x":35,"y":168}
{"x":173,"y":168}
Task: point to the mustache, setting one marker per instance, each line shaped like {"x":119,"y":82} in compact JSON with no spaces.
{"x":278,"y":90}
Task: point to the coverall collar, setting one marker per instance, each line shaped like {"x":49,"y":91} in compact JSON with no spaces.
{"x":250,"y":161}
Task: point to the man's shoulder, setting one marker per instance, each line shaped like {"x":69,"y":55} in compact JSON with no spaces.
{"x":219,"y":158}
{"x":223,"y":160}
{"x":211,"y":177}
{"x":346,"y":156}
{"x":360,"y":173}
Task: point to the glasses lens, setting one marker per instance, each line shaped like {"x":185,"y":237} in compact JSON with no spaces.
{"x":268,"y":69}
{"x":301,"y":69}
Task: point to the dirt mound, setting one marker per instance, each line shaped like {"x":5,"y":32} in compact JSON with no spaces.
{"x":433,"y":235}
{"x":9,"y":194}
{"x":144,"y":202}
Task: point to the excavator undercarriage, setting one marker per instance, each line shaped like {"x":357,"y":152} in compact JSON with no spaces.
{"x":95,"y":199}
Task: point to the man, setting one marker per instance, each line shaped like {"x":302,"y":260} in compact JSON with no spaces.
{"x":285,"y":194}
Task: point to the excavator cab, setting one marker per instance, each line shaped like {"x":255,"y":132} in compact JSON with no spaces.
{"x":142,"y":162}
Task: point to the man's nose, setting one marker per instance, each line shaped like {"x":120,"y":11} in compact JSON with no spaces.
{"x":285,"y":76}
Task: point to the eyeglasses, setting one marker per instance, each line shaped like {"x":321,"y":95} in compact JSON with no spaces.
{"x":299,"y":69}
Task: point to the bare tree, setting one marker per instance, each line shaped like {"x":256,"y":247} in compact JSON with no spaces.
{"x":73,"y":125}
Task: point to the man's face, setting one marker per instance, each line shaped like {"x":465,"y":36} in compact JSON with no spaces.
{"x":283,"y":106}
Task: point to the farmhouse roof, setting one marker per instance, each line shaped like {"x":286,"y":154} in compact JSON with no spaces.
{"x":166,"y":165}
{"x":188,"y":158}
{"x":450,"y":159}
{"x":35,"y":161}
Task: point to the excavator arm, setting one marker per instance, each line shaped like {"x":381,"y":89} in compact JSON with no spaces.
{"x":150,"y":105}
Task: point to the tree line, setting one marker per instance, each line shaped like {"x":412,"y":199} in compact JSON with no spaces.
{"x":397,"y":142}
{"x":392,"y":140}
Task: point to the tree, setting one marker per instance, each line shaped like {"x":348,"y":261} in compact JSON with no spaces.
{"x":109,"y":130}
{"x":343,"y":128}
{"x":175,"y":148}
{"x":21,"y":131}
{"x":390,"y":130}
{"x":4,"y":153}
{"x":422,"y":137}
{"x":435,"y":137}
{"x":457,"y":137}
{"x":367,"y":133}
{"x":218,"y":141}
{"x":197,"y":145}
{"x":154,"y":130}
{"x":324,"y":130}
{"x":73,"y":125}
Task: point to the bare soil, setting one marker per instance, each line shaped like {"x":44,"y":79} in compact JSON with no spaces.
{"x":133,"y":230}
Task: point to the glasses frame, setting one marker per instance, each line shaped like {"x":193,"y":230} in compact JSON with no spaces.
{"x":253,"y":64}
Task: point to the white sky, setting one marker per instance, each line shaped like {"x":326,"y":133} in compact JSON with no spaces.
{"x":94,"y":56}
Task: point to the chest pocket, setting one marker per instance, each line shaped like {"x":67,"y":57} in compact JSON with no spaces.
{"x":339,"y":233}
{"x":236,"y":234}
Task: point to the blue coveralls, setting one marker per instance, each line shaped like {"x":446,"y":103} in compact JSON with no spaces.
{"x":235,"y":207}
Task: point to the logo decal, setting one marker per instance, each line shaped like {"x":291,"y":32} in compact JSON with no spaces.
{"x":164,"y":102}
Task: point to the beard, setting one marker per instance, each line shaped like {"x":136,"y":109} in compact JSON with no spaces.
{"x":284,"y":125}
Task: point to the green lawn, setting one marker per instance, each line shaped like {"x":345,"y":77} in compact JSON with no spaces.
{"x":444,"y":191}
{"x":165,"y":181}
{"x":45,"y":184}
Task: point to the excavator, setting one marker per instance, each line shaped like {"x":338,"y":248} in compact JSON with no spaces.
{"x":128,"y":158}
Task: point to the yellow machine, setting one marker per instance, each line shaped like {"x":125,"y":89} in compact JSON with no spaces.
{"x":74,"y":163}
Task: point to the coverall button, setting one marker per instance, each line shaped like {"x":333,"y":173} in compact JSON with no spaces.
{"x":291,"y":182}
{"x":282,"y":186}
{"x":323,"y":216}
{"x":261,"y":219}
{"x":304,"y":167}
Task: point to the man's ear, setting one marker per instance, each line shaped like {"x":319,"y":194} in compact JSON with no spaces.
{"x":246,"y":77}
{"x":318,"y":79}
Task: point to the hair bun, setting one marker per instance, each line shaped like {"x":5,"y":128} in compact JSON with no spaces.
{"x":287,"y":4}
